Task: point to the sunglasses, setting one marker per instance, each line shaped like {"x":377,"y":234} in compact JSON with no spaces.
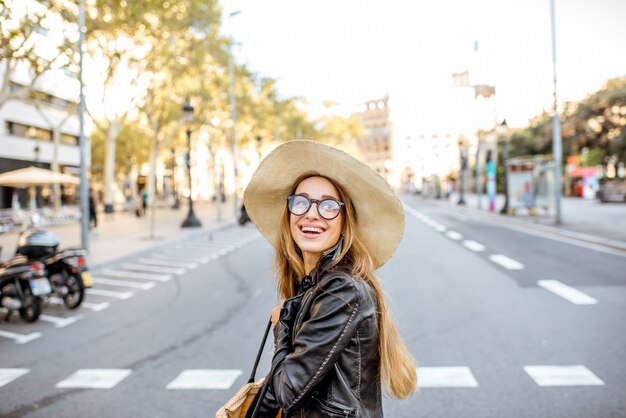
{"x":328,"y":209}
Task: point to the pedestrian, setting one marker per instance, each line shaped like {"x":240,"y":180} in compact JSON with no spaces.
{"x":144,"y":201}
{"x":332,"y":221}
{"x":93,"y":215}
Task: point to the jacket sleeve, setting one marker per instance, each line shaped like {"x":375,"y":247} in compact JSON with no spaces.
{"x":332,"y":321}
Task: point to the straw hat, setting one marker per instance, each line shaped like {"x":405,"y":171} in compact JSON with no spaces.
{"x":380,"y":216}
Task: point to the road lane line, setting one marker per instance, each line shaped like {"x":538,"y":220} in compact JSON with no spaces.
{"x":60,"y":322}
{"x":204,"y":379}
{"x":473,"y":245}
{"x":566,"y":292}
{"x":453,"y":235}
{"x":96,"y":307}
{"x":94,"y":378}
{"x":446,"y":377}
{"x":563,"y":376}
{"x":134,"y":275}
{"x":167,"y":263}
{"x":123,"y":283}
{"x":110,"y":293}
{"x":506,"y":262}
{"x":20,"y":338}
{"x":9,"y":375}
{"x":154,"y":269}
{"x":440,"y":228}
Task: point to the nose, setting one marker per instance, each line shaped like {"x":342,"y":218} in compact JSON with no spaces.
{"x":312,"y":214}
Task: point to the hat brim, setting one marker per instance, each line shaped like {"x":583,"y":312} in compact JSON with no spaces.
{"x":380,"y":216}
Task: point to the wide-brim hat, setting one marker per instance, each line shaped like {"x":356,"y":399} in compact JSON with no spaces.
{"x":380,"y":216}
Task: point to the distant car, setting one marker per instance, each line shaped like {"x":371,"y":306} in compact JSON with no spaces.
{"x":613,"y":190}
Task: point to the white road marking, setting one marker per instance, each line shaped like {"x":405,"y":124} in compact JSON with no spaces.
{"x":9,"y":375}
{"x":473,"y":245}
{"x":154,"y":269}
{"x":214,"y":256}
{"x":566,"y":292}
{"x":563,"y":376}
{"x":506,"y":262}
{"x":61,"y":322}
{"x":110,"y":293}
{"x":205,"y":379}
{"x":20,"y":338}
{"x":440,"y":228}
{"x":134,"y":275}
{"x":94,"y":378}
{"x":181,"y":257}
{"x":167,"y":263}
{"x":453,"y":235}
{"x":123,"y":283}
{"x":446,"y":377}
{"x":96,"y":307}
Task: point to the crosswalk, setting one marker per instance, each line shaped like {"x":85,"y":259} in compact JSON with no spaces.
{"x":129,"y":278}
{"x":224,"y":379}
{"x":557,"y":288}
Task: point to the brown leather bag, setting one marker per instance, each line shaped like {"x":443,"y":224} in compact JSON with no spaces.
{"x":241,"y":402}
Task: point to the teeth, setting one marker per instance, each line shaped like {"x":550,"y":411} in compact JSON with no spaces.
{"x":312,"y":229}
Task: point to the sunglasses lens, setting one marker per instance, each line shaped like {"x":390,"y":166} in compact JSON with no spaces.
{"x":328,"y":209}
{"x":298,"y":205}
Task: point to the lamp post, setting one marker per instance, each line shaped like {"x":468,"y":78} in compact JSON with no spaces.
{"x":503,"y":133}
{"x":191,"y":221}
{"x":463,"y":166}
{"x":259,"y":140}
{"x":233,"y":117}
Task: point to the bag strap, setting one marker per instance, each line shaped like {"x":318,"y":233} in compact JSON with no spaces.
{"x":258,"y":356}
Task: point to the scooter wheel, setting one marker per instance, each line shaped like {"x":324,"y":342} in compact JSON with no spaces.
{"x":76,"y":291}
{"x":32,"y":308}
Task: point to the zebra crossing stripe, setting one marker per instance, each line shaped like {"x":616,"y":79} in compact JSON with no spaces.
{"x":96,"y":307}
{"x":9,"y":375}
{"x":134,"y":275}
{"x":109,"y":293}
{"x":205,"y":379}
{"x":94,"y":378}
{"x":61,"y":322}
{"x":167,"y":263}
{"x":181,"y":257}
{"x":563,"y":376}
{"x":123,"y":283}
{"x":154,"y":269}
{"x":446,"y":377}
{"x":566,"y":292}
{"x":20,"y":338}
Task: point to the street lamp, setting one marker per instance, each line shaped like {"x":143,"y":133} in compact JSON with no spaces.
{"x":503,"y":134}
{"x":463,"y":166}
{"x":191,"y":221}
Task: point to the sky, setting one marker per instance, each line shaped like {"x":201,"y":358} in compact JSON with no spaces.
{"x":349,"y":51}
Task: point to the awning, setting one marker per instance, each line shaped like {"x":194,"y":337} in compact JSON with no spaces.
{"x":34,"y":176}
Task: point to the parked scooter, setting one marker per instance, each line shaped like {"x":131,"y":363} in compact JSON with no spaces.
{"x":23,"y":284}
{"x":67,"y":269}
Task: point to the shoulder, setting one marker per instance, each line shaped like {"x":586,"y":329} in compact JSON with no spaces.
{"x":345,"y":286}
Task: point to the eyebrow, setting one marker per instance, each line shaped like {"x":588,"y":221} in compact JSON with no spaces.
{"x":324,"y":196}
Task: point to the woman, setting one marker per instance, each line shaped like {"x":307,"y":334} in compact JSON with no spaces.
{"x":333,"y":221}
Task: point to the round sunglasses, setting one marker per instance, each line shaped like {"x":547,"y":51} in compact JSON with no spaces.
{"x":328,"y":209}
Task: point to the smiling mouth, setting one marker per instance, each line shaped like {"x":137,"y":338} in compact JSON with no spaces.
{"x":311,"y":230}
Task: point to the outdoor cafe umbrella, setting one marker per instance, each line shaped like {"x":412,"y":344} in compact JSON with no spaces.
{"x":34,"y":176}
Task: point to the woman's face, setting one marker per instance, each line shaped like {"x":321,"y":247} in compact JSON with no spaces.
{"x":312,"y":233}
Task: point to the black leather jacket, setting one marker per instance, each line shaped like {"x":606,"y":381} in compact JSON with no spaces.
{"x":326,"y":362}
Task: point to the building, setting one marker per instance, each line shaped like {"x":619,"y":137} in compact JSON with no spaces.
{"x":39,"y":126}
{"x":375,"y":146}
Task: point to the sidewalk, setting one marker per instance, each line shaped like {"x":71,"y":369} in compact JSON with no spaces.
{"x":584,"y":220}
{"x":122,"y":233}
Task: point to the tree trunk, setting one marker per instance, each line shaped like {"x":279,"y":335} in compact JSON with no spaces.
{"x":109,"y":166}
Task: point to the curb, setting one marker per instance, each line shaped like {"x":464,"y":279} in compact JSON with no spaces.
{"x":209,"y":230}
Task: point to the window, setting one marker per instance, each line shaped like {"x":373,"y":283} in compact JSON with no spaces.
{"x":69,"y":139}
{"x":32,"y":132}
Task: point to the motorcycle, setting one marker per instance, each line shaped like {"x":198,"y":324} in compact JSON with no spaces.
{"x":67,"y":269}
{"x":23,"y":285}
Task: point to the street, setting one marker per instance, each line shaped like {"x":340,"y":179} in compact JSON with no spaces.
{"x":502,"y":323}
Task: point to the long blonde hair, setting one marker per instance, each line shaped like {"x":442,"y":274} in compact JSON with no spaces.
{"x":397,"y":365}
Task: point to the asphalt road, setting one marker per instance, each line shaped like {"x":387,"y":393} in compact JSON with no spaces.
{"x":179,"y":341}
